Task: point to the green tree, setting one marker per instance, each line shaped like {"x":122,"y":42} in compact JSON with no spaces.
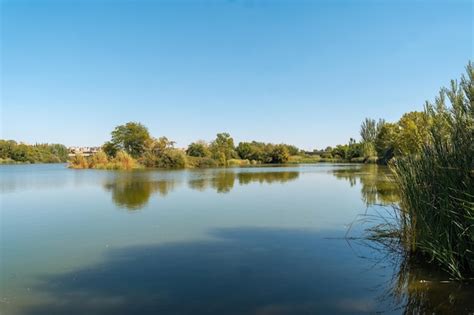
{"x":413,"y":133}
{"x":223,"y":148}
{"x":110,"y":149}
{"x":369,"y":130}
{"x":198,"y":149}
{"x":386,"y":141}
{"x":131,"y":137}
{"x":280,"y":154}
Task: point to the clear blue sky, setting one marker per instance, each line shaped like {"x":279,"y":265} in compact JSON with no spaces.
{"x":301,"y":72}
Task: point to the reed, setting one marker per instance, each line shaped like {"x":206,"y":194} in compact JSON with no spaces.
{"x":436,"y":210}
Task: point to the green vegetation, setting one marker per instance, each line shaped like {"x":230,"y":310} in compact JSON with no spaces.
{"x":13,"y":152}
{"x":132,"y":138}
{"x":436,"y":180}
{"x":431,"y":155}
{"x":121,"y":161}
{"x":131,"y":146}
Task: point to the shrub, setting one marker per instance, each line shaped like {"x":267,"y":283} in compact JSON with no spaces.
{"x":123,"y":161}
{"x":78,"y":161}
{"x":201,"y":162}
{"x":360,"y":159}
{"x":171,"y":158}
{"x":280,"y":154}
{"x":99,"y":160}
{"x":237,"y":162}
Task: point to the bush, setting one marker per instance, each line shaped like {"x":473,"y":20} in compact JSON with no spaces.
{"x":171,"y":158}
{"x":198,"y":162}
{"x":360,"y":159}
{"x":280,"y":154}
{"x":326,"y":155}
{"x":237,"y":162}
{"x":99,"y":160}
{"x":78,"y":161}
{"x":122,"y":161}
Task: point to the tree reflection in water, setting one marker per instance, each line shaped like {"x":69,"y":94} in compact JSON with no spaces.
{"x":223,"y":181}
{"x":376,"y":181}
{"x":132,"y":190}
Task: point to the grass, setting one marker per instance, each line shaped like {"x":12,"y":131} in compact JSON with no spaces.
{"x":437,"y":187}
{"x":122,"y":161}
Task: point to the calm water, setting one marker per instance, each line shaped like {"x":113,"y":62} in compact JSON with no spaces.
{"x":267,"y":240}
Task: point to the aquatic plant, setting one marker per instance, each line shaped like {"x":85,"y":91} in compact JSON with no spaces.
{"x":437,"y":186}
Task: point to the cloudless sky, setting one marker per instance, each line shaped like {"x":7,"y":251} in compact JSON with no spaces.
{"x":300,"y":72}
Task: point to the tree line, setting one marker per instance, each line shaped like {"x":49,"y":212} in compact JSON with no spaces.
{"x":13,"y":152}
{"x":131,"y":145}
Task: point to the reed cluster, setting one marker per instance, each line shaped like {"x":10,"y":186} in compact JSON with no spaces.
{"x":436,"y":187}
{"x":121,"y":161}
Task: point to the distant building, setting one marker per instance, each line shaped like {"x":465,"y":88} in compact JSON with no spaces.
{"x":86,"y":151}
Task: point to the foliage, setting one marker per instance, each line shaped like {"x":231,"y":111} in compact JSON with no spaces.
{"x":280,"y":154}
{"x":200,"y":162}
{"x":110,"y":149}
{"x":257,"y":151}
{"x":171,"y":158}
{"x":121,"y":161}
{"x":79,"y":161}
{"x":292,"y":150}
{"x":238,"y":162}
{"x":222,"y":148}
{"x":437,"y":185}
{"x":198,"y":149}
{"x":413,"y":133}
{"x":99,"y":160}
{"x":301,"y":159}
{"x":385,"y":143}
{"x":38,"y":153}
{"x":131,"y":138}
{"x":369,"y":131}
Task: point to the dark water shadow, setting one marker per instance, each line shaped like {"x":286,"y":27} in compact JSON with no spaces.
{"x":242,"y":271}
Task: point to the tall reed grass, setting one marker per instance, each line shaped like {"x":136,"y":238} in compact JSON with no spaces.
{"x":437,"y":187}
{"x":121,"y":161}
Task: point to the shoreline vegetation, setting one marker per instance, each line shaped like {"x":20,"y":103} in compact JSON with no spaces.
{"x":131,"y":146}
{"x":434,"y":220}
{"x":12,"y":152}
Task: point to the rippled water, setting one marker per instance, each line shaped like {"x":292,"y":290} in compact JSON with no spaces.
{"x":267,"y":240}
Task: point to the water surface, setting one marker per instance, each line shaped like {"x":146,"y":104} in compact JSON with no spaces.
{"x":268,"y":240}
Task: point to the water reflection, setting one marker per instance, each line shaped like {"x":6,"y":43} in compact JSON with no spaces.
{"x":423,"y":289}
{"x":416,"y":287}
{"x":133,"y":190}
{"x":223,"y":181}
{"x":376,"y":181}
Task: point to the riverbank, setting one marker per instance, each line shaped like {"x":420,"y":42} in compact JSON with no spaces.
{"x":123,"y":161}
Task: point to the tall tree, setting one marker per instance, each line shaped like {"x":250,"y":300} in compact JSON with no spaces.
{"x":223,"y":148}
{"x":131,"y":137}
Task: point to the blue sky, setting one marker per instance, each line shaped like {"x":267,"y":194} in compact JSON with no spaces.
{"x":300,"y":72}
